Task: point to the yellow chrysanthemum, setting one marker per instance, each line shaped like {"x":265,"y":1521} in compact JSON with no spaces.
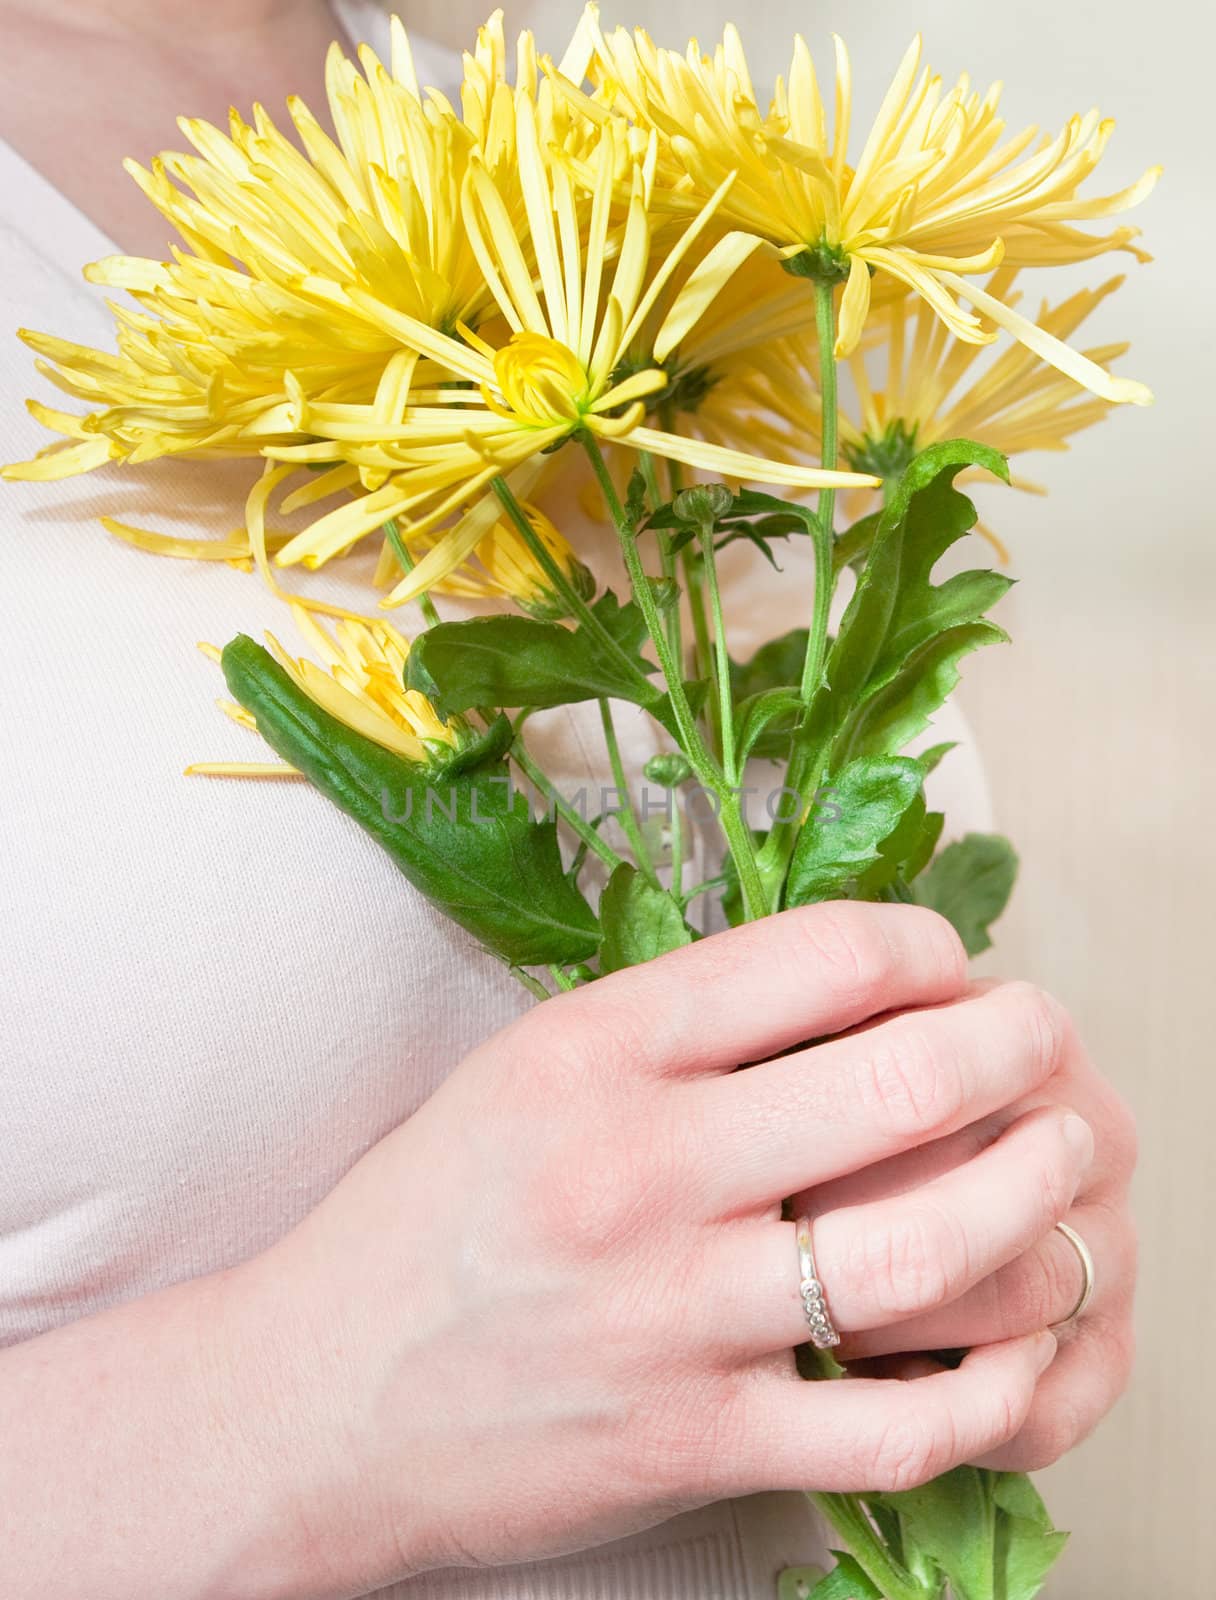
{"x":360,"y":682}
{"x":258,"y":308}
{"x":934,"y":198}
{"x":914,"y":385}
{"x":563,"y":366}
{"x":503,"y":565}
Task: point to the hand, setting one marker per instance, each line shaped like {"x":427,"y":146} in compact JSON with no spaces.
{"x":1040,"y":1288}
{"x":559,"y":1303}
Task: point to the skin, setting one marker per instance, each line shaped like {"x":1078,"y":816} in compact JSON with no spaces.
{"x":593,"y":1329}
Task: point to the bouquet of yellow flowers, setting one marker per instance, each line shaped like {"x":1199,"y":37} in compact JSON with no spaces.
{"x":620,"y":277}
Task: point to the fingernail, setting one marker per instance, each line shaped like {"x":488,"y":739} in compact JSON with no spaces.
{"x":1079,"y":1137}
{"x":1045,"y":1347}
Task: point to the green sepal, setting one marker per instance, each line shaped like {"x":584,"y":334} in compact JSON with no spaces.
{"x":638,"y":921}
{"x":969,"y":883}
{"x":466,"y":839}
{"x":486,"y":747}
{"x":854,"y":816}
{"x":747,"y":514}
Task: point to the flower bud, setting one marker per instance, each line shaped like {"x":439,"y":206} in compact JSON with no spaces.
{"x":668,"y":771}
{"x":704,"y":504}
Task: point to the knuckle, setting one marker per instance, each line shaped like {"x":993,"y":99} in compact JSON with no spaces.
{"x":1058,"y":1182}
{"x":1041,"y":1021}
{"x":909,"y":1453}
{"x":1035,"y":1292}
{"x":1049,"y":1436}
{"x":592,"y":1196}
{"x":911,"y":1079}
{"x":849,"y":946}
{"x":913,"y":1263}
{"x":1121,"y":1347}
{"x":1120,"y":1140}
{"x":605,"y":1040}
{"x":935,"y":934}
{"x":686,"y":1444}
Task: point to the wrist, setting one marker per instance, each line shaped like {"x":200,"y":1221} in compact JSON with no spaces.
{"x":292,"y":1351}
{"x":282,"y":1379}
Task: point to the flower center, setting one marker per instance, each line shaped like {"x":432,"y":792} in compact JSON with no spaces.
{"x":541,"y":380}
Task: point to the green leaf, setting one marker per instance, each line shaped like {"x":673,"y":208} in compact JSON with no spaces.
{"x":521,"y":661}
{"x":853,"y":545}
{"x":903,"y":843}
{"x":970,"y":883}
{"x":888,"y":718}
{"x":524,"y":662}
{"x":775,"y":668}
{"x":1027,"y":1545}
{"x":465,"y":839}
{"x":918,"y":858}
{"x":775,"y":664}
{"x":638,"y":921}
{"x":953,"y":1521}
{"x":896,"y":611}
{"x":859,"y":810}
{"x":797,"y":1583}
{"x":846,"y":1581}
{"x":765,"y":721}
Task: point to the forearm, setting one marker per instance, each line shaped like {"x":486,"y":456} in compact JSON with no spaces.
{"x":157,"y":1449}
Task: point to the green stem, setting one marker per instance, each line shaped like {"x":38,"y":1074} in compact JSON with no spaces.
{"x":709,"y":775}
{"x":692,"y":578}
{"x":533,"y":985}
{"x":677,"y":847}
{"x":675,"y":641}
{"x":561,"y":979}
{"x":846,"y":1515}
{"x":575,"y":604}
{"x":627,"y":814}
{"x":702,"y":650}
{"x":810,"y":750}
{"x":726,"y":717}
{"x":825,"y":329}
{"x":407,"y":564}
{"x":703,"y":888}
{"x":562,"y":807}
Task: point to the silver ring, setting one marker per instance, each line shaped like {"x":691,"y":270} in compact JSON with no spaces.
{"x":823,"y":1334}
{"x":1088,"y":1272}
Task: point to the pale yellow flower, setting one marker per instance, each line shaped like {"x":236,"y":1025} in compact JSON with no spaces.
{"x":258,"y":308}
{"x":503,"y":565}
{"x":935,"y":197}
{"x":914,"y":384}
{"x":358,"y":678}
{"x":564,"y":365}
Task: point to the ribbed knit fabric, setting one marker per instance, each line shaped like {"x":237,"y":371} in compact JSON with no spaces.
{"x":217,"y":996}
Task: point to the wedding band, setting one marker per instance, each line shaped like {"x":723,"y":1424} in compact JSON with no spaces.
{"x":823,"y":1334}
{"x":1088,"y":1273}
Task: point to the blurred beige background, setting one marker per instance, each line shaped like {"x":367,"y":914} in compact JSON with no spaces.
{"x":1098,"y":725}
